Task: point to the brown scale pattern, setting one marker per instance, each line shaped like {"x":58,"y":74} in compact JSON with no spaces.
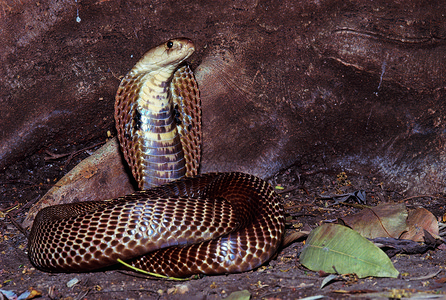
{"x":210,"y":224}
{"x":186,"y":97}
{"x":257,"y":238}
{"x":125,"y":116}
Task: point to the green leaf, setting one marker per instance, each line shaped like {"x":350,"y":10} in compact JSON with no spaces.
{"x":334,"y":248}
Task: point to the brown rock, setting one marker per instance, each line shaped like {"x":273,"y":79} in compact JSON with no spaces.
{"x":101,"y":176}
{"x":358,"y":86}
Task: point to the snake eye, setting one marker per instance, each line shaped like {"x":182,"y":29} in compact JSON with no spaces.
{"x":169,"y":44}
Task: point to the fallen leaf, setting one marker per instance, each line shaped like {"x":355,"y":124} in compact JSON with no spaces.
{"x":239,"y":295}
{"x":330,"y":278}
{"x":294,"y":236}
{"x":72,"y":282}
{"x":334,"y":248}
{"x":418,"y":220}
{"x":385,"y":220}
{"x":441,"y":280}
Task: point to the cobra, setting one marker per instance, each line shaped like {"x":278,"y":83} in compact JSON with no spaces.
{"x":180,"y":223}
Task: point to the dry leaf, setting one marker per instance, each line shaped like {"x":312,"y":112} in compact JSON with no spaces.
{"x":418,"y":220}
{"x":385,"y":220}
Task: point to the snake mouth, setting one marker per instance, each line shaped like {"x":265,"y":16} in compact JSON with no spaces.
{"x":185,"y":43}
{"x":175,"y":51}
{"x":166,"y":56}
{"x":182,"y":48}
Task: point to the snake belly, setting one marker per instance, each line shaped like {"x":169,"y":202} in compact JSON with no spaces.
{"x":158,"y":116}
{"x":180,"y":223}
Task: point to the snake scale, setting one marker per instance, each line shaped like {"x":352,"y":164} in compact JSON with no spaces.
{"x":180,"y":223}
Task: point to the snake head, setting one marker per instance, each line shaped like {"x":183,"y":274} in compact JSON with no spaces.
{"x":167,"y":55}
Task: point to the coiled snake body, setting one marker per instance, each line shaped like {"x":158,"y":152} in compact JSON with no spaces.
{"x":210,"y":224}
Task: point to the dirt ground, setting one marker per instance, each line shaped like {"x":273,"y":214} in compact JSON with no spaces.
{"x":282,"y":278}
{"x":301,"y":88}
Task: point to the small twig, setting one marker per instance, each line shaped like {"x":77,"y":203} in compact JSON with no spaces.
{"x":119,"y":77}
{"x":83,"y":294}
{"x":19,"y":181}
{"x":27,"y":205}
{"x":315,"y":171}
{"x":355,"y":205}
{"x":11,"y":208}
{"x":298,"y":215}
{"x":287,"y":190}
{"x":11,"y":214}
{"x":420,"y":196}
{"x":54,"y":156}
{"x":428,"y":276}
{"x":17,"y":225}
{"x":257,"y":73}
{"x":300,"y":205}
{"x":107,"y":291}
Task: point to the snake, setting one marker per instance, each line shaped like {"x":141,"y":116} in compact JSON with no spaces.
{"x":179,"y":223}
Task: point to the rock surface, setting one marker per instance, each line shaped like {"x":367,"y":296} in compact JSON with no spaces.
{"x":355,"y":86}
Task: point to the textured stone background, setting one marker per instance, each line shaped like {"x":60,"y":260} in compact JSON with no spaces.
{"x":357,"y":86}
